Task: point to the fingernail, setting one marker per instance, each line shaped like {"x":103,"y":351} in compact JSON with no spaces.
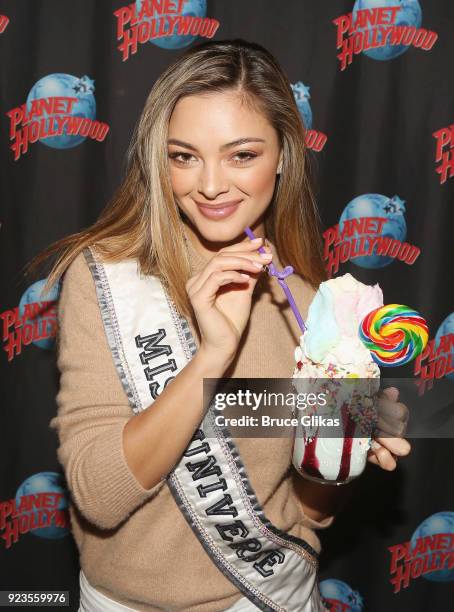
{"x":258,"y":265}
{"x":257,"y":240}
{"x":392,"y":393}
{"x":266,"y":255}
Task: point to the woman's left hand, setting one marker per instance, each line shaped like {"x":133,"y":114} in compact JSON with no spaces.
{"x":388,"y":443}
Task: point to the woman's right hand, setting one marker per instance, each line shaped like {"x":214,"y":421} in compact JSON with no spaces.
{"x":221,"y":297}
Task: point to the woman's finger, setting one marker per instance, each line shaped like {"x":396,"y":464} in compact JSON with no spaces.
{"x":397,"y":446}
{"x":381,"y":456}
{"x":226,"y":263}
{"x":207,"y":293}
{"x":387,"y":406}
{"x":390,"y":427}
{"x":391,"y":393}
{"x":246,"y":249}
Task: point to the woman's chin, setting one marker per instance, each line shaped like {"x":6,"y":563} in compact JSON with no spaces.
{"x":221,"y":231}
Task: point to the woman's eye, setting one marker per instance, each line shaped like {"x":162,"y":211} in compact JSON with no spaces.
{"x":245,"y":156}
{"x":183,"y":158}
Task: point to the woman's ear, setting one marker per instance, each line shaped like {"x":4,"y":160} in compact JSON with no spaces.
{"x":279,"y":167}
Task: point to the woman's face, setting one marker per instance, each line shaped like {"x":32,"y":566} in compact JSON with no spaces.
{"x":221,"y":152}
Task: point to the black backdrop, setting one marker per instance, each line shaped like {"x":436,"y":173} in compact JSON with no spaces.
{"x":379,"y":117}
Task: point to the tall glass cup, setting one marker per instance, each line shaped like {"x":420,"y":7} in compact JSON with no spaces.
{"x":333,"y":435}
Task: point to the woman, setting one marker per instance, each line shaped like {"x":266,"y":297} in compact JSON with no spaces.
{"x":166,"y":288}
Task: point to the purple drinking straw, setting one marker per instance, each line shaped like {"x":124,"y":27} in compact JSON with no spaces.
{"x":280,"y":276}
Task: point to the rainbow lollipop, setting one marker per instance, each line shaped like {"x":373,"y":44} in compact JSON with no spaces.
{"x":395,"y":334}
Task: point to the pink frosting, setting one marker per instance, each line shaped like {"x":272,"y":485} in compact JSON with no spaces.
{"x":353,"y":300}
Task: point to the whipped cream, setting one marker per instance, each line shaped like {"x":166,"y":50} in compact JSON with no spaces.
{"x":330,"y":346}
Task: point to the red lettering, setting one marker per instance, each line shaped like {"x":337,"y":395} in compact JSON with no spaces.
{"x":102,"y":133}
{"x":330,"y":236}
{"x":9,"y":317}
{"x":430,"y":40}
{"x":6,"y":509}
{"x":13,"y":345}
{"x":11,"y":533}
{"x":444,"y":137}
{"x":416,"y":567}
{"x":184,"y":25}
{"x":123,"y":16}
{"x":413,"y":255}
{"x":73,"y":125}
{"x":344,"y":251}
{"x":4,"y":21}
{"x":402,"y":577}
{"x":20,"y":146}
{"x":332,"y":266}
{"x":397,"y":35}
{"x":342,"y":23}
{"x":398,"y":552}
{"x":383,"y":245}
{"x":15,"y":115}
{"x":129,"y":44}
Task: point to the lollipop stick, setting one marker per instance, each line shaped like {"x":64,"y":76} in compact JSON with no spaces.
{"x":281,"y":275}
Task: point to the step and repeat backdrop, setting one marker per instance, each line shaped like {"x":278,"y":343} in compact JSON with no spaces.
{"x":374,"y":84}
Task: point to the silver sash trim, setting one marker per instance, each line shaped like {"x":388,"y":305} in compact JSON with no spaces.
{"x":150,"y":343}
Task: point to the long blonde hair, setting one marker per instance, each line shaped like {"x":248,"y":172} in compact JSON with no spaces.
{"x":143,"y":221}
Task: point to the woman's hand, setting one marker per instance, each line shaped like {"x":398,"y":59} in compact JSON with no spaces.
{"x":221,"y":296}
{"x":388,"y":442}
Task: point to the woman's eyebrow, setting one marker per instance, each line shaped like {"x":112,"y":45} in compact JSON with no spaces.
{"x":234,"y":143}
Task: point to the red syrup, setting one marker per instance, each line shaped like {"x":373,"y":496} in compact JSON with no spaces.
{"x":349,"y":429}
{"x":310,"y":463}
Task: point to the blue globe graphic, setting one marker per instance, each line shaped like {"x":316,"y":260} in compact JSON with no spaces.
{"x":32,"y":295}
{"x":45,"y":482}
{"x":193,"y":8}
{"x":301,"y":94}
{"x":60,"y":84}
{"x":410,"y":14}
{"x":340,"y":591}
{"x":447,"y":327}
{"x":441,"y":522}
{"x":377,"y":205}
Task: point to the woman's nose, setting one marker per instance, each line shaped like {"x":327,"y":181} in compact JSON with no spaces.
{"x":213,"y":180}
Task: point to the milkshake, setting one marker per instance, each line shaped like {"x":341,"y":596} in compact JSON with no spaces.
{"x":332,"y":360}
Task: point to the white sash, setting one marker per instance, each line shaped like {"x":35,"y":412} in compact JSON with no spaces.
{"x":150,"y":343}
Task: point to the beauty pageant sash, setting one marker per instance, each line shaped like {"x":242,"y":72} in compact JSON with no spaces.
{"x":150,"y":343}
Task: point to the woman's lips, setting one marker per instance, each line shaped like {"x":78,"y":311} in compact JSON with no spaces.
{"x":218,"y":213}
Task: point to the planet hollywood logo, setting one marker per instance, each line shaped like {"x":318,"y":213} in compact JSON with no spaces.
{"x":437,"y":359}
{"x":4,"y":21}
{"x":315,"y":140}
{"x":428,"y":554}
{"x":444,"y":153}
{"x":371,"y":234}
{"x":59,"y":112}
{"x":382,"y":30}
{"x":170,"y":24}
{"x":33,"y":321}
{"x":39,"y":507}
{"x":337,"y":596}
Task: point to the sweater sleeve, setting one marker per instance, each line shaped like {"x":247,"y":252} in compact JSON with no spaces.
{"x":93,"y":408}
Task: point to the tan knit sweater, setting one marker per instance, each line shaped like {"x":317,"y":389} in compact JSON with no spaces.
{"x":135,"y":545}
